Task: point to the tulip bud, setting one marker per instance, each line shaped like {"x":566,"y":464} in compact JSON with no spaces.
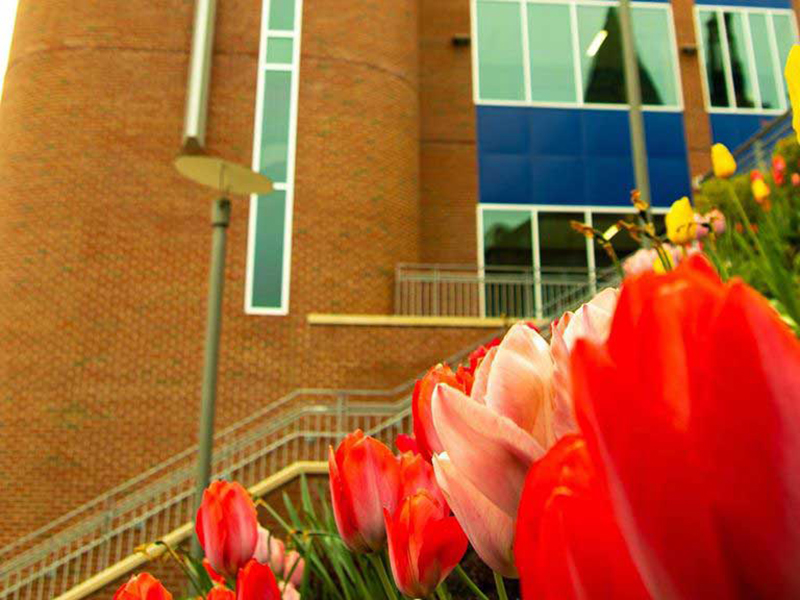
{"x":795,"y":179}
{"x":723,"y":162}
{"x":288,"y":591}
{"x":680,"y":222}
{"x":257,"y":582}
{"x":364,"y":480}
{"x":425,"y":544}
{"x":221,"y":593}
{"x":778,"y":170}
{"x":142,"y":587}
{"x":270,"y":550}
{"x":293,"y":567}
{"x":227,"y":527}
{"x":761,"y":192}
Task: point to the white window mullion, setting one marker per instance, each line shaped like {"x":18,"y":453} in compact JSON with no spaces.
{"x":777,"y":68}
{"x":476,"y":76}
{"x":590,"y":255}
{"x":726,"y":56}
{"x":526,"y":50}
{"x":751,"y":58}
{"x":576,"y":52}
{"x":537,"y":264}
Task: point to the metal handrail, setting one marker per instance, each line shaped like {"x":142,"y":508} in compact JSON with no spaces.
{"x":27,"y":566}
{"x":754,"y":153}
{"x":148,"y":506}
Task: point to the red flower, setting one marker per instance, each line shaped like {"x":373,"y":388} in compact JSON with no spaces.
{"x":406,"y":443}
{"x":424,"y":432}
{"x":364,"y":480}
{"x":221,"y":593}
{"x":257,"y":582}
{"x":215,"y":577}
{"x":568,"y":544}
{"x":778,"y":169}
{"x":417,"y":474}
{"x":693,"y":409}
{"x":425,"y":544}
{"x":226,"y":526}
{"x":142,"y":587}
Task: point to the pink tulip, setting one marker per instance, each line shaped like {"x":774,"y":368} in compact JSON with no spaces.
{"x":592,"y":322}
{"x":293,"y":567}
{"x":270,"y":551}
{"x":289,"y":591}
{"x":491,"y":438}
{"x":640,"y":262}
{"x":716,"y":219}
{"x":701,"y":229}
{"x":227,"y":527}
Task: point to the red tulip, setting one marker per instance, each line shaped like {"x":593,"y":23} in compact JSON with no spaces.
{"x":364,"y":480}
{"x":257,"y":582}
{"x":424,"y":432}
{"x":425,"y":544}
{"x":221,"y":593}
{"x":568,"y":544}
{"x":693,"y":409}
{"x":142,"y":587}
{"x":417,"y":474}
{"x":227,"y":527}
{"x":406,"y":443}
{"x":778,"y":169}
{"x":477,"y":355}
{"x":213,"y":575}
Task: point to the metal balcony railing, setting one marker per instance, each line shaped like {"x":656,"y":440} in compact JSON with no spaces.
{"x":471,"y":291}
{"x":757,"y":151}
{"x":295,"y":429}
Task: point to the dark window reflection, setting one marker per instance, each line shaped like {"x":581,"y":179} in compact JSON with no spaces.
{"x":742,"y":80}
{"x":604,"y":77}
{"x":715,"y":63}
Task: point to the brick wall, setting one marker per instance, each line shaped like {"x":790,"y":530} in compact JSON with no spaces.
{"x":103,"y":261}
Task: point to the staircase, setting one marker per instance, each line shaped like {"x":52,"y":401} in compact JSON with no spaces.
{"x":97,"y":542}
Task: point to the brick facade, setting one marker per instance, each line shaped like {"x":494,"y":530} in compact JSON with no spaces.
{"x":103,"y":265}
{"x":103,"y":260}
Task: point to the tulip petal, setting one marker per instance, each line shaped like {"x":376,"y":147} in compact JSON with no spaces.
{"x":489,"y":529}
{"x":443,"y":546}
{"x":756,"y":463}
{"x":489,"y":449}
{"x":520,"y":382}
{"x":482,"y":377}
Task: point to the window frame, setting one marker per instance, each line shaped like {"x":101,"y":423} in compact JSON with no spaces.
{"x":287,"y":186}
{"x":577,"y":71}
{"x":583,"y":213}
{"x":721,"y":9}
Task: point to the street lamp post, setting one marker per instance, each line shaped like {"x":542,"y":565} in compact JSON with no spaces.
{"x":227,"y":178}
{"x":634,"y":95}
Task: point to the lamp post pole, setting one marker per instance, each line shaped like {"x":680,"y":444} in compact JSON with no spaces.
{"x":634,"y":95}
{"x":220,"y":218}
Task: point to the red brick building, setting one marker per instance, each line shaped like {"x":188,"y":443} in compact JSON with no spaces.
{"x":363,"y":113}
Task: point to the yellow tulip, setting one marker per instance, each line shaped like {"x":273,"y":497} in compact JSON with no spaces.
{"x":658,"y":265}
{"x":761,"y":191}
{"x":723,"y":161}
{"x":792,"y":74}
{"x":681,"y":226}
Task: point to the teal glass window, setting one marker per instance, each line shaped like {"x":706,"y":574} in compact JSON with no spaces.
{"x":572,"y":52}
{"x":744,"y":51}
{"x":275,"y":124}
{"x":281,"y":14}
{"x":601,"y":54}
{"x":765,"y":63}
{"x":280,"y":50}
{"x":551,"y":60}
{"x":739,"y":60}
{"x":785,"y":36}
{"x":507,"y":238}
{"x":655,"y":49}
{"x":269,"y":247}
{"x":501,"y":73}
{"x":715,"y":63}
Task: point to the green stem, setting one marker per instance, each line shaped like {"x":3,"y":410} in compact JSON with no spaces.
{"x":470,"y":584}
{"x":384,"y":576}
{"x":441,"y":593}
{"x":501,"y":587}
